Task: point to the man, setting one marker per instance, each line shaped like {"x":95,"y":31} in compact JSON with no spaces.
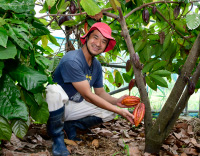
{"x":76,"y":73}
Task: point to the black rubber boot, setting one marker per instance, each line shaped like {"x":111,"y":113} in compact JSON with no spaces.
{"x":83,"y":124}
{"x":55,"y":130}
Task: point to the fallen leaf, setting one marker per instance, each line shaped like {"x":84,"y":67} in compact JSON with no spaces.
{"x":70,"y":142}
{"x":95,"y":143}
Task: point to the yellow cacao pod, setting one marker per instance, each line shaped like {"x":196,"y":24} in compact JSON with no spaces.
{"x":130,"y":101}
{"x":138,"y":113}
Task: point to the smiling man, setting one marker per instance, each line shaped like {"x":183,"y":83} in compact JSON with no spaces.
{"x":77,"y":72}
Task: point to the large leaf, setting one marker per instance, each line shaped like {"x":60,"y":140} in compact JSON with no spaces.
{"x":180,"y":25}
{"x":11,"y":107}
{"x":148,"y":66}
{"x":110,"y":77}
{"x":19,"y":41}
{"x":44,"y":40}
{"x":53,"y":40}
{"x":70,"y":23}
{"x":9,"y":52}
{"x":5,"y":129}
{"x":118,"y":79}
{"x":160,"y":64}
{"x":192,"y":20}
{"x":20,"y":128}
{"x":115,"y":4}
{"x":151,"y":83}
{"x":167,"y":41}
{"x":39,"y":28}
{"x":50,"y":2}
{"x":17,"y":6}
{"x":140,"y":45}
{"x":86,"y":4}
{"x":39,"y":111}
{"x":162,"y":73}
{"x":29,"y":78}
{"x":3,"y":37}
{"x":54,"y":63}
{"x":159,"y":80}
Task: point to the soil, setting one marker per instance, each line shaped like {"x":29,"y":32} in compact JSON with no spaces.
{"x":114,"y":138}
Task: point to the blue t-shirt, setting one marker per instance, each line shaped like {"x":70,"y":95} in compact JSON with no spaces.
{"x":74,"y":68}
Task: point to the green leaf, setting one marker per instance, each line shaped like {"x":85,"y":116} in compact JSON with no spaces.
{"x":42,"y":61}
{"x":19,"y":128}
{"x":127,"y":77}
{"x":106,"y":88}
{"x":63,"y":6}
{"x":29,"y":78}
{"x":39,"y":111}
{"x":11,"y":107}
{"x":86,"y":4}
{"x":167,"y":41}
{"x":115,"y":4}
{"x":110,"y":77}
{"x":70,"y":23}
{"x":50,"y":2}
{"x":53,"y":40}
{"x":146,"y":52}
{"x":148,"y":66}
{"x":19,"y":41}
{"x":2,"y":21}
{"x":39,"y":28}
{"x":1,"y":68}
{"x":151,"y":83}
{"x":192,"y":20}
{"x":159,"y":80}
{"x":180,"y":26}
{"x":17,"y":6}
{"x":3,"y":37}
{"x":118,"y":79}
{"x":54,"y":63}
{"x":5,"y":129}
{"x":44,"y":40}
{"x":9,"y":52}
{"x":159,"y":65}
{"x":162,"y":73}
{"x":140,"y":45}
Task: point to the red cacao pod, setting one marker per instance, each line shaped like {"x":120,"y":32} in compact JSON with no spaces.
{"x":154,"y":9}
{"x":145,"y":15}
{"x":130,"y":101}
{"x":176,"y":11}
{"x":138,"y":113}
{"x":191,"y":87}
{"x":72,"y":7}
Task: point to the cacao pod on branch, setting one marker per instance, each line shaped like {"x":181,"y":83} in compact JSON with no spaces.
{"x":145,"y":15}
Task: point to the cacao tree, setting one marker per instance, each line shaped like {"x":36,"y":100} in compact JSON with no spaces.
{"x":160,"y":38}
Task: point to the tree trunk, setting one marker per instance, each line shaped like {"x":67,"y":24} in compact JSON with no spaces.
{"x":174,"y":104}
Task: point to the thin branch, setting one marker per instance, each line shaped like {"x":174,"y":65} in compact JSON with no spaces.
{"x":72,"y":14}
{"x":144,"y":5}
{"x":171,"y":25}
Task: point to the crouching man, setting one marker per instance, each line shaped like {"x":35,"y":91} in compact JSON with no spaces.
{"x":71,"y":102}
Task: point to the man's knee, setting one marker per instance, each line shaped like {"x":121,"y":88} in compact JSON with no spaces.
{"x":55,"y":97}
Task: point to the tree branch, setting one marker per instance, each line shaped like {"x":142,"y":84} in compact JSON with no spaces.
{"x":72,"y":14}
{"x":137,"y":72}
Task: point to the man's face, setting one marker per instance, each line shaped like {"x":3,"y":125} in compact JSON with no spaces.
{"x":96,"y":43}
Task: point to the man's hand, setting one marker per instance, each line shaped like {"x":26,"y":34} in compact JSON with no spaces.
{"x":126,"y":114}
{"x":120,"y":104}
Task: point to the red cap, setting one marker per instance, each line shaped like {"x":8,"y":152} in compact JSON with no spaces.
{"x":105,"y":31}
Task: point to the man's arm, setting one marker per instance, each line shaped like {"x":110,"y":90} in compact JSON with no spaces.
{"x":84,"y":89}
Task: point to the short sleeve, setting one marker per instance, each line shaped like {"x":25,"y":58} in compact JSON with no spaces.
{"x":71,"y":71}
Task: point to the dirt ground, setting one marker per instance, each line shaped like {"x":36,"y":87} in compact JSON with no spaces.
{"x":115,"y":138}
